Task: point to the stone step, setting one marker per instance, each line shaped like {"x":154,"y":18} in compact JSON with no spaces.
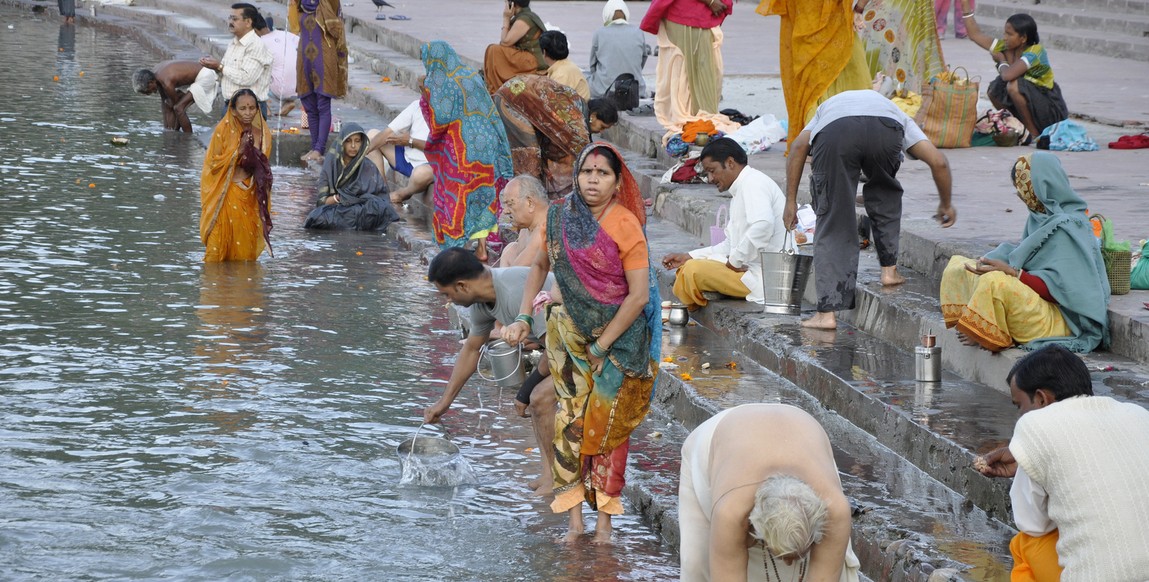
{"x":1083,"y":29}
{"x":907,"y":525}
{"x":1115,"y":6}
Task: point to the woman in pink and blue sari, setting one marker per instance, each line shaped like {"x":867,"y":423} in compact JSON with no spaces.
{"x":602,"y":339}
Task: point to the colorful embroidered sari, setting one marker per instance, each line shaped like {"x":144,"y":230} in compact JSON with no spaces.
{"x":467,"y":148}
{"x":1058,"y":247}
{"x":362,"y":191}
{"x":235,"y":217}
{"x":902,"y":41}
{"x":597,"y":412}
{"x":546,"y":128}
{"x":820,"y":55}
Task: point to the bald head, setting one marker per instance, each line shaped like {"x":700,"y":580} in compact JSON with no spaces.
{"x":525,"y":199}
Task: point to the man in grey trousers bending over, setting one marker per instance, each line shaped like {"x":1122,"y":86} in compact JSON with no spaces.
{"x":854,"y":132}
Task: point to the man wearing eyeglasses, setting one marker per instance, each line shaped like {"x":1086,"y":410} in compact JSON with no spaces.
{"x":247,"y":62}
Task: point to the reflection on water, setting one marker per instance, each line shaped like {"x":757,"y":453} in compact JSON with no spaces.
{"x":166,"y":419}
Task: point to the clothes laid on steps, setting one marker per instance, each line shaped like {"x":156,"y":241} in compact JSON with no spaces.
{"x":1131,"y":142}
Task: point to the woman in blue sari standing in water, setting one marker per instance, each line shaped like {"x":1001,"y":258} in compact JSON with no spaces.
{"x":603,"y":338}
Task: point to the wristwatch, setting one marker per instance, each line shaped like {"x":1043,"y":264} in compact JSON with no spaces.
{"x":410,"y":141}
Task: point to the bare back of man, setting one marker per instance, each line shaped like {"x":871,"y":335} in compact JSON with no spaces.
{"x":172,"y":79}
{"x":748,"y":445}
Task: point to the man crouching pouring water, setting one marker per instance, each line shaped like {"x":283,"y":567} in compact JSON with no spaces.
{"x":760,"y":499}
{"x":494,"y":295}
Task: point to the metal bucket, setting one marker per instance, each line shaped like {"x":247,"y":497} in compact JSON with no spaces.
{"x":506,"y":363}
{"x":784,"y":277}
{"x":433,"y":461}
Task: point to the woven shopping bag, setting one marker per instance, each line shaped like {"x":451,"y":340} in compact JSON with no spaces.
{"x":951,"y":113}
{"x":1117,"y":256}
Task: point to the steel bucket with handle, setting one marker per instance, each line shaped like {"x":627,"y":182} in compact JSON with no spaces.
{"x":784,"y":275}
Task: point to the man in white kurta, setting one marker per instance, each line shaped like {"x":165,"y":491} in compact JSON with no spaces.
{"x":1080,"y":465}
{"x":732,"y":267}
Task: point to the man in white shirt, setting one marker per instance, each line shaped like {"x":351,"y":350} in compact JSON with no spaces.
{"x":1080,"y":471}
{"x":851,"y":133}
{"x":732,"y":267}
{"x":402,"y":143}
{"x":284,"y":48}
{"x":247,"y":62}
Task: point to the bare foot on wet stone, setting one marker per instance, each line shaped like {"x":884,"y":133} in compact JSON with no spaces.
{"x":601,"y":538}
{"x":571,"y":537}
{"x":966,"y":340}
{"x":821,"y":320}
{"x":890,"y":277}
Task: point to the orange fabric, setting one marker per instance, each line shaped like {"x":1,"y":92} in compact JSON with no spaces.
{"x":624,"y":229}
{"x":1035,"y":558}
{"x":230,"y":227}
{"x":817,"y":39}
{"x":501,"y":63}
{"x":692,"y":128}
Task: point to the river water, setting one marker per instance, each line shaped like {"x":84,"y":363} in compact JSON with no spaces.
{"x":165,"y":419}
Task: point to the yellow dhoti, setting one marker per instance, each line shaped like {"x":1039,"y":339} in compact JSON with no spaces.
{"x":1034,"y":558}
{"x":698,"y":275}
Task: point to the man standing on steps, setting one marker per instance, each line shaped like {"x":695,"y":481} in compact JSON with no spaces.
{"x":732,"y":267}
{"x":247,"y":63}
{"x":1080,"y":468}
{"x":494,"y":295}
{"x":854,"y":132}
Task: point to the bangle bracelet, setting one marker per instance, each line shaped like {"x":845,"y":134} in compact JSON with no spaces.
{"x":596,"y":350}
{"x":970,"y":15}
{"x":526,"y":318}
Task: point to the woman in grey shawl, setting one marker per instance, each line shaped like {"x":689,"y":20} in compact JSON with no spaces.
{"x":352,"y":193}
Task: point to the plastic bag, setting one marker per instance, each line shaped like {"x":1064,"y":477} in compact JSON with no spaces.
{"x":1139,"y":278}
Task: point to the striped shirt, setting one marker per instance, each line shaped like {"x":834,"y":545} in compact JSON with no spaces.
{"x":246,"y":65}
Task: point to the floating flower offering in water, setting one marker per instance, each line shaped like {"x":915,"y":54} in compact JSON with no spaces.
{"x":119,"y":141}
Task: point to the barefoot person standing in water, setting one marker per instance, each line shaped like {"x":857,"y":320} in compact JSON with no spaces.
{"x":851,"y":133}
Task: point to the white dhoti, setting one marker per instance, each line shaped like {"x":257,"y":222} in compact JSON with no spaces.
{"x":694,"y":511}
{"x":203,"y":90}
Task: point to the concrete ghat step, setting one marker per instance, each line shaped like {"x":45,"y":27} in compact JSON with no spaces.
{"x":907,"y":525}
{"x":1095,"y":17}
{"x":1061,"y":35}
{"x":1121,"y":6}
{"x":901,"y":315}
{"x":938,"y":428}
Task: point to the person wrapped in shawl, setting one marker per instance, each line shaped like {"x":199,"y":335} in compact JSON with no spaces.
{"x":467,"y":150}
{"x":821,"y":54}
{"x":545,"y":126}
{"x":321,"y":69}
{"x":235,"y":185}
{"x":1049,"y":288}
{"x":603,"y":339}
{"x":352,"y":192}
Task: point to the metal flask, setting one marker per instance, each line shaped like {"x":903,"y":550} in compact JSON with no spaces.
{"x":928,"y":360}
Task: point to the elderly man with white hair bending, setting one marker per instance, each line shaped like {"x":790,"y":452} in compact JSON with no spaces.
{"x":760,"y":499}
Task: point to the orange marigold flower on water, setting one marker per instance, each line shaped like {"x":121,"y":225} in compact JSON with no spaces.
{"x":686,"y":376}
{"x":668,"y":359}
{"x":359,"y":253}
{"x":732,"y":365}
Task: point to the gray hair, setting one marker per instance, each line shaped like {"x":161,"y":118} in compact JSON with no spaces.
{"x":529,"y":187}
{"x":788,"y":516}
{"x":140,"y":80}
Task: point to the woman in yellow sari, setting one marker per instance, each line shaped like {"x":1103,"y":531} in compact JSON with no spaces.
{"x":235,"y":186}
{"x":821,"y":54}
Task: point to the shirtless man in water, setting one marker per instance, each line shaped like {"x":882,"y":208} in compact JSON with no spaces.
{"x":759,"y":492}
{"x":179,"y":83}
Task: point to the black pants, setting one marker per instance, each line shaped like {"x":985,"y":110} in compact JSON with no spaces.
{"x":842,"y":150}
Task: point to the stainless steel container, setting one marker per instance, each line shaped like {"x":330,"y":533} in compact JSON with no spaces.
{"x":679,"y":316}
{"x":928,"y":361}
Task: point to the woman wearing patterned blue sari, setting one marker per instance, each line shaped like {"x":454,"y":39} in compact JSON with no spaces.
{"x":602,"y":340}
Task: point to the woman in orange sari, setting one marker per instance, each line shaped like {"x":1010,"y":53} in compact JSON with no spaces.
{"x":821,"y":54}
{"x":235,"y":187}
